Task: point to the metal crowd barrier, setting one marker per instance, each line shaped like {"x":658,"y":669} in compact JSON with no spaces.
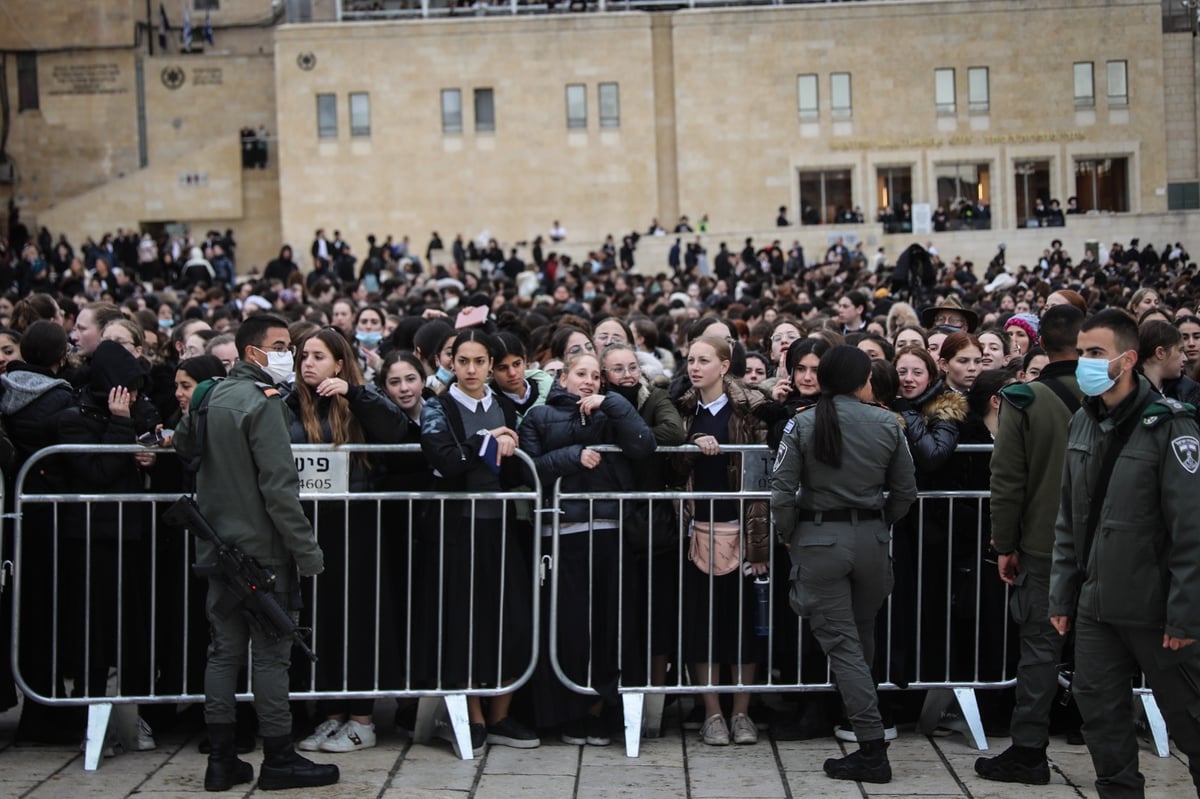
{"x":101,"y":619}
{"x":106,"y":611}
{"x":956,"y":608}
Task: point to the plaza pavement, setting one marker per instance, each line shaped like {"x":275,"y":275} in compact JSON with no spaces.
{"x":675,"y":766}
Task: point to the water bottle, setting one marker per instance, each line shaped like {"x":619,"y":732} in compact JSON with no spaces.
{"x":762,"y":606}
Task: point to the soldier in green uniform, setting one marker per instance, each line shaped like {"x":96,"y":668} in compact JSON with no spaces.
{"x":833,"y":467}
{"x":1126,"y":563}
{"x":1026,"y":470}
{"x":248,"y":490}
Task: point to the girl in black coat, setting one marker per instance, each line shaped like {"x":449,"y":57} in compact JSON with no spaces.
{"x":472,"y":547}
{"x":556,"y":435}
{"x":333,"y":405}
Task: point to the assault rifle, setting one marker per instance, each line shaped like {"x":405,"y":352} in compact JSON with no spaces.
{"x":250,"y":585}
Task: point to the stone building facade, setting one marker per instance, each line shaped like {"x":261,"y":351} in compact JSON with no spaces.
{"x":501,"y":125}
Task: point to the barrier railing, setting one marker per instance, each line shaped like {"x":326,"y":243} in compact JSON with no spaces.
{"x":948,"y":606}
{"x":101,"y":583}
{"x":103,"y":589}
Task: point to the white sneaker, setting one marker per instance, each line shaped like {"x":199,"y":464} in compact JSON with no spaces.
{"x":145,"y":737}
{"x":351,"y":737}
{"x":325,"y":730}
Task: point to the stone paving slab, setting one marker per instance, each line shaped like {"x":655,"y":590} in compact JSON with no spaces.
{"x":675,"y":766}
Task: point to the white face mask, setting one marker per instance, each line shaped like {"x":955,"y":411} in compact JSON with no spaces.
{"x":280,"y":365}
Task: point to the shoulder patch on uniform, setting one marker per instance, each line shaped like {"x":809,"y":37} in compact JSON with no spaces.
{"x":267,"y":389}
{"x":1019,"y":395}
{"x":1187,"y":452}
{"x":787,"y":428}
{"x":783,"y":448}
{"x":1163,"y":409}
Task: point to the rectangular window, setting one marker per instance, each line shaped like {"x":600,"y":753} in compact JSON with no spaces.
{"x":894,"y":194}
{"x":610,"y":105}
{"x":839,"y":94}
{"x":943,"y":92}
{"x":1118,"y":84}
{"x":27,"y":82}
{"x":824,"y":196}
{"x":1085,"y":89}
{"x":978,"y":93}
{"x":485,"y":111}
{"x":327,"y":116}
{"x":1102,"y":184}
{"x":205,"y":5}
{"x":360,"y":114}
{"x":451,"y":111}
{"x":1183,"y":196}
{"x":1033,"y":184}
{"x":806,"y":98}
{"x":576,"y":105}
{"x":964,"y":194}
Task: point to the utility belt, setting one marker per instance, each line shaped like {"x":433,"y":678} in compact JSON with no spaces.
{"x":853,"y":515}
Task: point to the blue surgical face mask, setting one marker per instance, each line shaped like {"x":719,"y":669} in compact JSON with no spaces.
{"x":167,"y":323}
{"x":589,"y":295}
{"x":1092,"y":374}
{"x":444,"y":375}
{"x":369,"y":340}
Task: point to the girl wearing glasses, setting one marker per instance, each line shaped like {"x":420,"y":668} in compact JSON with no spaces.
{"x":656,"y":594}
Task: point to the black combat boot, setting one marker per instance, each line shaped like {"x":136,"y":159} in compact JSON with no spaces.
{"x":283,"y":767}
{"x":224,"y":770}
{"x":1024,"y":764}
{"x":868,"y":764}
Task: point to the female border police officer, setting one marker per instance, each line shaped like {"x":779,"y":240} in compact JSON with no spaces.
{"x":827,"y":496}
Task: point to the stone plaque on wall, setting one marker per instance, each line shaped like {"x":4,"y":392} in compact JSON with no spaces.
{"x":86,"y":79}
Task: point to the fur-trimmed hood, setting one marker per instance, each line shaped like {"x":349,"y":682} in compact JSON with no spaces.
{"x":942,"y":402}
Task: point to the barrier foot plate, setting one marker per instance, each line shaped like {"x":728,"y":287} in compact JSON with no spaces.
{"x":97,"y":729}
{"x":633,"y":722}
{"x":652,"y":717}
{"x":1158,"y":727}
{"x":970,"y":712}
{"x":428,"y":708}
{"x":460,"y":722}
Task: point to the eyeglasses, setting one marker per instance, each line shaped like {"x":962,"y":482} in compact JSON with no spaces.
{"x":622,"y":370}
{"x":779,"y":337}
{"x":580,"y":348}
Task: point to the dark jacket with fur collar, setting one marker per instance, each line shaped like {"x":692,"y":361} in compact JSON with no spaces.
{"x":931,"y":423}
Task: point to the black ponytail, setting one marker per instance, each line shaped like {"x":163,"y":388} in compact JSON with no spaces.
{"x":843,"y":370}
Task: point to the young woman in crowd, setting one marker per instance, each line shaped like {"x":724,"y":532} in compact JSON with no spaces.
{"x":483,"y":586}
{"x":657,"y":565}
{"x":1032,"y":365}
{"x":1022,"y":332}
{"x":758,"y":366}
{"x":1189,"y":330}
{"x":799,"y":389}
{"x":1161,"y":359}
{"x":910,"y":336}
{"x":10,"y":348}
{"x":994,"y":346}
{"x":332,"y":404}
{"x":527,"y":388}
{"x":611,"y":331}
{"x":556,"y":435}
{"x":368,"y":333}
{"x":729,"y":540}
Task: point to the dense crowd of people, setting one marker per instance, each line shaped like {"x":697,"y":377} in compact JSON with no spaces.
{"x":475,"y":352}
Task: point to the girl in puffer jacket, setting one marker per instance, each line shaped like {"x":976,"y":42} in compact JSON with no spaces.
{"x":556,"y":435}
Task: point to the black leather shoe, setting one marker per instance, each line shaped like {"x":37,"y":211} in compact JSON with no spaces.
{"x":283,"y":767}
{"x":868,"y":764}
{"x":224,"y":770}
{"x":1023,"y":764}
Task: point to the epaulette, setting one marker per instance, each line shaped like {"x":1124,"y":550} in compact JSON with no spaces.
{"x":1019,"y":395}
{"x":1164,"y":408}
{"x":267,"y":389}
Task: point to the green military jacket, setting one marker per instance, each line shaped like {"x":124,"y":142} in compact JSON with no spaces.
{"x":875,"y":459}
{"x":1027,"y":462}
{"x":1143,"y":569}
{"x":247,"y":486}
